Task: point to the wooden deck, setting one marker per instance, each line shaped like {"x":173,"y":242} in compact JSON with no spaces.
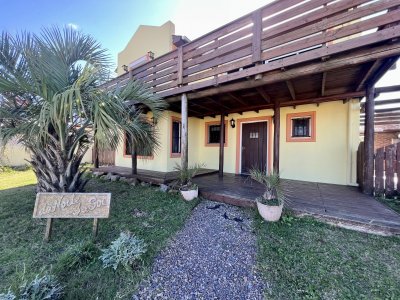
{"x":146,"y":175}
{"x":293,"y":51}
{"x":336,"y":202}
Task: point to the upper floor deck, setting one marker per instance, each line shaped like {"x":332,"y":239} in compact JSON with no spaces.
{"x":276,"y":45}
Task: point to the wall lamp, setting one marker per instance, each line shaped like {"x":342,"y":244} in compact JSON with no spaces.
{"x":233,"y":123}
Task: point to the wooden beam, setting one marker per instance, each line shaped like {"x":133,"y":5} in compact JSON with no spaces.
{"x":395,"y":114}
{"x":218,"y":103}
{"x":355,"y":57}
{"x":237,"y":99}
{"x":277,"y":129}
{"x":368,"y":184}
{"x":383,"y":68}
{"x":221,"y":146}
{"x":297,"y":102}
{"x":263,"y":94}
{"x":384,"y":102}
{"x":370,"y":71}
{"x":291,"y":89}
{"x":184,"y":137}
{"x":387,"y":89}
{"x":323,"y":82}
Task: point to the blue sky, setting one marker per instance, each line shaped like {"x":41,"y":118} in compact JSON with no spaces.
{"x":112,"y":23}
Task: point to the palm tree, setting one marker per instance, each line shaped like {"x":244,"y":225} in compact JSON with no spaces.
{"x":54,"y":103}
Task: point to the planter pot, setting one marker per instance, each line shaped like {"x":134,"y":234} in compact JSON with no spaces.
{"x":190,"y":194}
{"x":270,"y":213}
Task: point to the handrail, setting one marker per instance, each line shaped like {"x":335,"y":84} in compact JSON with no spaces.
{"x":287,"y":31}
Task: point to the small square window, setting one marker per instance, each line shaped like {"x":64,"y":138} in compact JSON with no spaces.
{"x":300,"y":127}
{"x":213,"y":133}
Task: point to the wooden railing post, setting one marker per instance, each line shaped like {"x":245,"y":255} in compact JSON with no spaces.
{"x":221,"y":146}
{"x":257,"y":33}
{"x":277,"y":122}
{"x":368,"y":185}
{"x":180,"y":66}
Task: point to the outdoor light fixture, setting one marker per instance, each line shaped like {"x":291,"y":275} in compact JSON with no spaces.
{"x":151,"y":55}
{"x":125,"y":67}
{"x":233,"y":123}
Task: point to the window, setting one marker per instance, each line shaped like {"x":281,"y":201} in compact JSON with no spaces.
{"x":213,"y":133}
{"x":300,"y":127}
{"x":128,"y":148}
{"x":176,"y":134}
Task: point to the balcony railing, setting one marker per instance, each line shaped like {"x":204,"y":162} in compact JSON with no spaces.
{"x":278,"y":35}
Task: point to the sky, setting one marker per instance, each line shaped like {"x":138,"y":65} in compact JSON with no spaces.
{"x":113,"y":23}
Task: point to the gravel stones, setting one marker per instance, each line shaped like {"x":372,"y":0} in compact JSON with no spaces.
{"x":212,"y":257}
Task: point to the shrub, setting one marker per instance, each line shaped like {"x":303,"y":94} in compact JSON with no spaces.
{"x":41,"y":288}
{"x":8,"y":296}
{"x":125,"y":251}
{"x":76,"y":257}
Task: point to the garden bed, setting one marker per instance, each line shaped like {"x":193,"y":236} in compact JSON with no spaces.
{"x":151,"y":215}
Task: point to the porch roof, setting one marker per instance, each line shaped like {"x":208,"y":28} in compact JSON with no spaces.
{"x":294,"y":52}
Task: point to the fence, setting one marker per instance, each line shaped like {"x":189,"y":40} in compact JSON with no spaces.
{"x":106,"y":157}
{"x":386,"y":169}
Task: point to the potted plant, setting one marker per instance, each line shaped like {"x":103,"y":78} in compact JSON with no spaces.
{"x":188,"y":189}
{"x":270,"y":204}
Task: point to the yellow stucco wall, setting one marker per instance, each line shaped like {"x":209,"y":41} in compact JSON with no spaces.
{"x":157,"y":39}
{"x":331,"y":158}
{"x":13,"y":154}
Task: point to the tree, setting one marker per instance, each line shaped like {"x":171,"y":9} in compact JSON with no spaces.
{"x":54,"y":102}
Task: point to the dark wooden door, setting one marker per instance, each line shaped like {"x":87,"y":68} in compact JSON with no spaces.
{"x":254,"y":146}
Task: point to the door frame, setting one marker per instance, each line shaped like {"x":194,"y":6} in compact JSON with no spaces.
{"x":240,"y":123}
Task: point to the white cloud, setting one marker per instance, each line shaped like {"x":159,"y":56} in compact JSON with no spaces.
{"x":73,"y":26}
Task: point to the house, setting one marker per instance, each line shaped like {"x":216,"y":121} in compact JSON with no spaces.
{"x":148,"y":42}
{"x":277,"y":89}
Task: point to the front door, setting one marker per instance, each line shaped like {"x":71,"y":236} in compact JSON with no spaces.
{"x":254,"y":146}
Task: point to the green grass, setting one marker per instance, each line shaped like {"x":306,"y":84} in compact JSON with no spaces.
{"x":23,"y":253}
{"x":392,"y":203}
{"x":306,"y":259}
{"x":13,"y":179}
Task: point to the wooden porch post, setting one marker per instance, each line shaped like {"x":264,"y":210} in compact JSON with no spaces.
{"x":221,"y":146}
{"x":96,"y":154}
{"x":368,"y":184}
{"x":184,"y":137}
{"x":134,"y":159}
{"x":277,"y":128}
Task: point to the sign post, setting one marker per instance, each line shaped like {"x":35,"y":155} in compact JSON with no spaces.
{"x":72,"y":205}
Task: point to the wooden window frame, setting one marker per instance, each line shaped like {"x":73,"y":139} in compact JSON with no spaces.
{"x":207,"y":126}
{"x":149,"y":157}
{"x":174,"y":119}
{"x":289,"y":126}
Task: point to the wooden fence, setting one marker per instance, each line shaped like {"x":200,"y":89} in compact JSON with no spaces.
{"x":106,"y":157}
{"x":386,"y":170}
{"x":278,"y":35}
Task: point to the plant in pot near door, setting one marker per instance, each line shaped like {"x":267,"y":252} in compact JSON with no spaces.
{"x":270,"y":204}
{"x":188,"y":189}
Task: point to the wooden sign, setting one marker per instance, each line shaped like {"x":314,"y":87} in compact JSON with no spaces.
{"x":71,"y":205}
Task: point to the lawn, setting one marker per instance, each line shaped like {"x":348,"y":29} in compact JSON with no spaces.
{"x":393,"y":203}
{"x":151,"y":215}
{"x":306,"y":259}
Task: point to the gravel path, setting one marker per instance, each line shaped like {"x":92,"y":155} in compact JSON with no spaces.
{"x":212,"y":257}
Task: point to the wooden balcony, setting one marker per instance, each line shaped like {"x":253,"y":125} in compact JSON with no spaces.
{"x":294,"y":51}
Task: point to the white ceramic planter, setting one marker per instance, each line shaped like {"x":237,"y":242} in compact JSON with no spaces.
{"x":270,"y":213}
{"x":190,"y":195}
